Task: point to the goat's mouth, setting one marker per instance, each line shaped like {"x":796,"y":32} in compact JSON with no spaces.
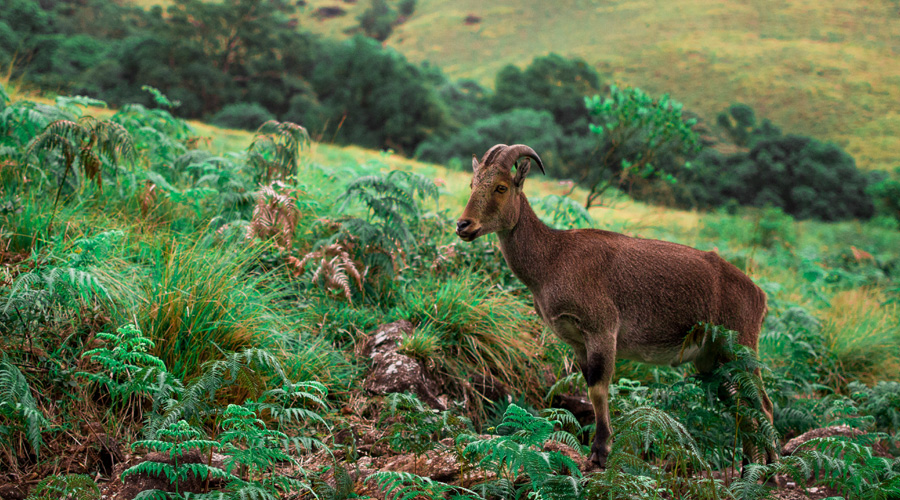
{"x":468,"y":235}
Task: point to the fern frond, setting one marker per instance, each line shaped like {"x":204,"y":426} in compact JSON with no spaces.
{"x":17,"y":403}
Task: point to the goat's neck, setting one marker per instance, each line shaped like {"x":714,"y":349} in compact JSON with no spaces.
{"x":527,"y":246}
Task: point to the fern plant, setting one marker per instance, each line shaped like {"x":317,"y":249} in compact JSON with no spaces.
{"x":157,"y":134}
{"x":275,"y":150}
{"x":335,"y":269}
{"x":87,"y":141}
{"x":413,"y":426}
{"x":68,"y":487}
{"x":51,"y":294}
{"x":19,"y":413}
{"x":175,"y":441}
{"x":842,"y":464}
{"x":129,"y":369}
{"x":295,"y":406}
{"x":275,"y":216}
{"x":408,"y":486}
{"x":254,"y":449}
{"x":517,"y":450}
{"x":392,"y":211}
{"x":654,"y":456}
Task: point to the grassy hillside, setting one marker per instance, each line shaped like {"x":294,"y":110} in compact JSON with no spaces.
{"x":254,"y":332}
{"x":821,"y":68}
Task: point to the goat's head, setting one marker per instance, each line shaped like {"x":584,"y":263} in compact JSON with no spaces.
{"x":494,"y":203}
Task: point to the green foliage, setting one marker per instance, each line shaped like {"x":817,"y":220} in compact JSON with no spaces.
{"x":641,"y":137}
{"x":157,"y":134}
{"x":886,"y":193}
{"x":347,"y":79}
{"x":407,"y":486}
{"x":246,"y":116}
{"x":68,"y":486}
{"x":392,"y":214}
{"x":175,"y":441}
{"x":129,"y":369}
{"x":378,"y":20}
{"x":19,"y":412}
{"x":413,"y":426}
{"x":800,"y":175}
{"x":881,"y":401}
{"x":516,"y":454}
{"x":52,"y":294}
{"x":774,"y":227}
{"x":739,"y":123}
{"x":90,"y":142}
{"x":550,"y":83}
{"x":562,"y":212}
{"x":525,"y":126}
{"x":843,"y":465}
{"x":275,"y":150}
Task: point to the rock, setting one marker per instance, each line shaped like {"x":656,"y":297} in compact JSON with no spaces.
{"x":835,"y":430}
{"x":395,"y":372}
{"x":580,"y":406}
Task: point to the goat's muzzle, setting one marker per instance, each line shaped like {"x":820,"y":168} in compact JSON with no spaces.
{"x":466,"y":230}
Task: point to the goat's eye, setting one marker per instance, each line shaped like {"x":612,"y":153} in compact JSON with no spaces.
{"x":501,"y":189}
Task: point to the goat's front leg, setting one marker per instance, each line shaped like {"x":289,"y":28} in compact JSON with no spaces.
{"x":598,"y":372}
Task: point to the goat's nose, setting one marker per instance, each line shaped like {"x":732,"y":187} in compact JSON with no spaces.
{"x":462,"y":224}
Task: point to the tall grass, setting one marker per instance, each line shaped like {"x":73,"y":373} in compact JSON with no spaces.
{"x":864,"y":334}
{"x":197,"y":303}
{"x":478,"y":328}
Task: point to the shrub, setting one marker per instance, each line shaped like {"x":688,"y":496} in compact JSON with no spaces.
{"x":246,"y":116}
{"x":739,"y":123}
{"x":886,"y":192}
{"x":641,"y":138}
{"x":525,"y":126}
{"x":800,"y":175}
{"x":378,"y":20}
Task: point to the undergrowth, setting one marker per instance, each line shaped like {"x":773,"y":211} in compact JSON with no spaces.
{"x":239,"y":289}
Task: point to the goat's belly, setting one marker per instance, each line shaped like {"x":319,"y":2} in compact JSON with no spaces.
{"x":661,"y":355}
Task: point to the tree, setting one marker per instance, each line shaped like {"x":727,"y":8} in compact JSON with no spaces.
{"x":641,"y":138}
{"x":800,"y":175}
{"x":373,"y":97}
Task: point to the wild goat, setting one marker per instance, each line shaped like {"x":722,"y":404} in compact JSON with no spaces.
{"x":608,"y":295}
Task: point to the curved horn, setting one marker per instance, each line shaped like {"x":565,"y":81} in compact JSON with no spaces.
{"x":512,"y":154}
{"x":492,"y":153}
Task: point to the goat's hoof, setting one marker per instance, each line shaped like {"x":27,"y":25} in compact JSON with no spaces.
{"x":596,"y":461}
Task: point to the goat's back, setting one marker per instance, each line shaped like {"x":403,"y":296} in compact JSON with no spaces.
{"x":659,"y":290}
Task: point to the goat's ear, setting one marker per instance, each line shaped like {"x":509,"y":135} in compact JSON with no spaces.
{"x":522,"y":169}
{"x":474,"y":162}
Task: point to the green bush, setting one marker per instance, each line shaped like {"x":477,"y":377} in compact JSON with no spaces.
{"x":525,"y":126}
{"x":378,"y":20}
{"x":885,"y":190}
{"x":800,"y":175}
{"x":641,"y":138}
{"x":246,"y":116}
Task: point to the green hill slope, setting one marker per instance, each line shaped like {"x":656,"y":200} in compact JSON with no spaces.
{"x":822,"y":68}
